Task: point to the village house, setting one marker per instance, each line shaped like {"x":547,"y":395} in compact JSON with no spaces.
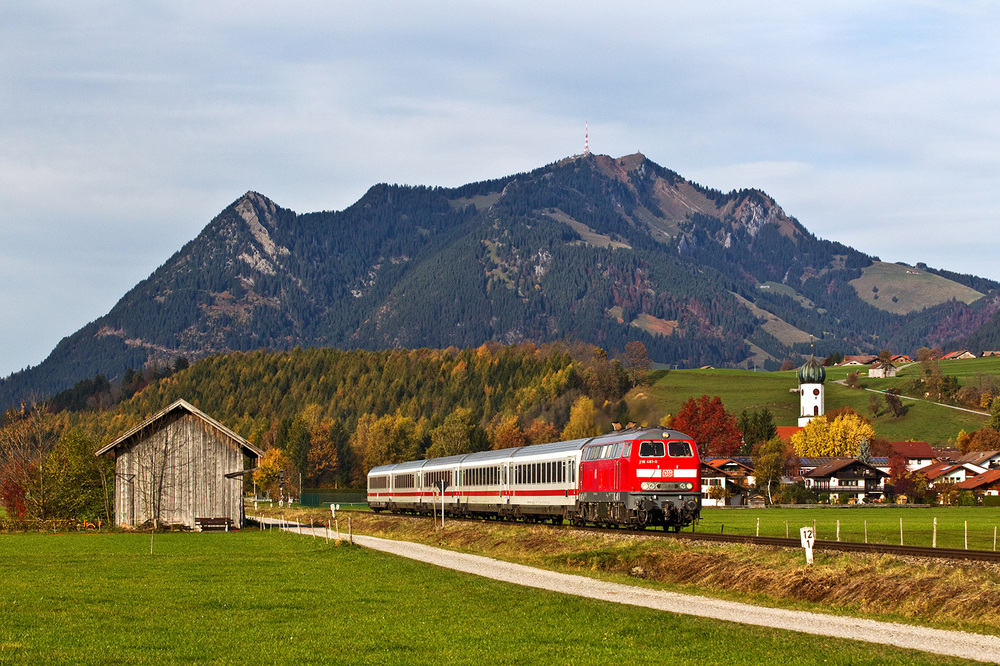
{"x":847,"y":477}
{"x":180,"y":467}
{"x":985,"y":459}
{"x":734,"y":490}
{"x":946,"y":472}
{"x":880,"y":371}
{"x":987,"y":483}
{"x":956,"y":355}
{"x":916,"y":454}
{"x":858,"y":359}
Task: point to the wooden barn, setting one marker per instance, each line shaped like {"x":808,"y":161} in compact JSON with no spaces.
{"x":180,"y":467}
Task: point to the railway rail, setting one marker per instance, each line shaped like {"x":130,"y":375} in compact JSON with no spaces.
{"x":843,"y":546}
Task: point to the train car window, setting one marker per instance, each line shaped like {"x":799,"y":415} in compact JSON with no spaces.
{"x":548,"y":472}
{"x":651,"y":450}
{"x":617,"y":453}
{"x":627,"y":450}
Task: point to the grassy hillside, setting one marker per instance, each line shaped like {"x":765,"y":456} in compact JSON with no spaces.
{"x":743,"y":389}
{"x":902,"y":289}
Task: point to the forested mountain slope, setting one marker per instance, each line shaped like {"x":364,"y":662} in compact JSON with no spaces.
{"x":590,"y":248}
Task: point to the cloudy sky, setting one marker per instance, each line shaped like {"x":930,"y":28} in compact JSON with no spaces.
{"x":125,"y":127}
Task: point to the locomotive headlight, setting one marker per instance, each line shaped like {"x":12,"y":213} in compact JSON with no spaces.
{"x":645,"y":485}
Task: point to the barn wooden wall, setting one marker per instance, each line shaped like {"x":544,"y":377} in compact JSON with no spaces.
{"x":181,"y":465}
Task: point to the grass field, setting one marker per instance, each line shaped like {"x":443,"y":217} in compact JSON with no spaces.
{"x":743,"y":389}
{"x":270,"y":597}
{"x":881,"y":524}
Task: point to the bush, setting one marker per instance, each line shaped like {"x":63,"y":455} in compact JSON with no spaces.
{"x":795,"y":493}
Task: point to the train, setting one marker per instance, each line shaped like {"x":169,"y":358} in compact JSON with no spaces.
{"x":635,"y":477}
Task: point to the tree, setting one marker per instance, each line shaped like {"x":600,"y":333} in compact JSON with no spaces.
{"x":268,"y":475}
{"x":505,"y":433}
{"x":25,"y":442}
{"x":541,"y":432}
{"x":963,"y":442}
{"x":582,"y":420}
{"x":756,"y":427}
{"x":771,"y":462}
{"x":875,"y":405}
{"x":985,"y":439}
{"x":636,"y":360}
{"x":386,"y":440}
{"x":995,"y":414}
{"x":865,"y":452}
{"x":840,"y":437}
{"x":459,"y":434}
{"x":894,"y":403}
{"x":710,"y":425}
{"x":323,"y":458}
{"x":80,"y":484}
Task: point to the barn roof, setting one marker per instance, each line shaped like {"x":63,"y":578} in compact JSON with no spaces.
{"x":181,"y":405}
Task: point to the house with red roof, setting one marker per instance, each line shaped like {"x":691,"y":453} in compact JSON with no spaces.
{"x":917,"y":454}
{"x":987,"y":483}
{"x":945,"y":472}
{"x":955,"y":355}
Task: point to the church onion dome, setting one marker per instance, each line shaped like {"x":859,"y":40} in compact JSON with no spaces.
{"x":812,"y":372}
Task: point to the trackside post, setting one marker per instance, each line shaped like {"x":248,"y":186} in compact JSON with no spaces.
{"x":808,"y":537}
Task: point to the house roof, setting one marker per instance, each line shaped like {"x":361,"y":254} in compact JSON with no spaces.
{"x":180,"y":405}
{"x":719,"y":463}
{"x":940,"y":468}
{"x":983,"y":479}
{"x":858,"y":359}
{"x":786,"y":432}
{"x":914,"y":449}
{"x":836,"y":465}
{"x":980,"y":458}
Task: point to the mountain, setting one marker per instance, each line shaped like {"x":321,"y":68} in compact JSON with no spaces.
{"x":591,"y":248}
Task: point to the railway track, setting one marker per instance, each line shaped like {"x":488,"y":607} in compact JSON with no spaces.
{"x":843,"y":546}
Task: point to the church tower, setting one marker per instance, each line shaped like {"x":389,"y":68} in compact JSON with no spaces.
{"x":811,"y":394}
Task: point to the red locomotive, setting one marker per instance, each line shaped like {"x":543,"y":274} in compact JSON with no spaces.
{"x":636,"y":477}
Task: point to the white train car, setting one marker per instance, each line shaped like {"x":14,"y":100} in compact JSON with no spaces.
{"x":529,"y":482}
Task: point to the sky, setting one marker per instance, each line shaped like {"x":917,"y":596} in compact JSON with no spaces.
{"x":126,"y":127}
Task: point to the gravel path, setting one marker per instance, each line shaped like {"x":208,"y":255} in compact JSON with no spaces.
{"x":952,"y":643}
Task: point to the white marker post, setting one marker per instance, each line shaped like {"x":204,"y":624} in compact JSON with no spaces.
{"x":808,"y":539}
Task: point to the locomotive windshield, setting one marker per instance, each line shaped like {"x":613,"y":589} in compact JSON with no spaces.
{"x":679,"y":449}
{"x":651,"y":450}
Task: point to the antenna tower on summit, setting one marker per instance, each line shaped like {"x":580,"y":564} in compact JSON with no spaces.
{"x":586,"y":138}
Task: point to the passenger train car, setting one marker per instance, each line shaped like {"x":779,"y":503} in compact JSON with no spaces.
{"x":635,"y":477}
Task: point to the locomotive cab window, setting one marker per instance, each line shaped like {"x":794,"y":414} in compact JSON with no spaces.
{"x":679,"y":449}
{"x":651,"y":450}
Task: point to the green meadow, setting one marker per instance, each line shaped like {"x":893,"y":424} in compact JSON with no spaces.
{"x":744,"y":389}
{"x":271,"y":597}
{"x":874,"y":524}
